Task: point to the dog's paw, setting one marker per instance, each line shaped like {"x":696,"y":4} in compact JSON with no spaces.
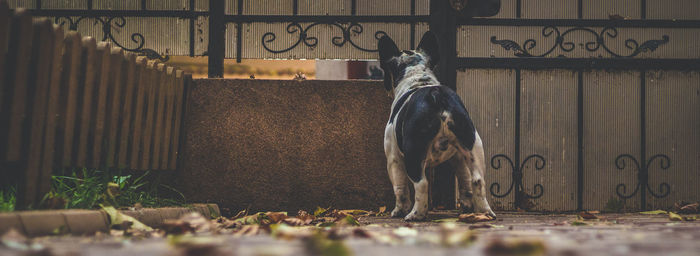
{"x":398,"y":213}
{"x":413,"y":216}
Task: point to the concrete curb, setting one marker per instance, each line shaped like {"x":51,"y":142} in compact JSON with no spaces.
{"x":84,"y":222}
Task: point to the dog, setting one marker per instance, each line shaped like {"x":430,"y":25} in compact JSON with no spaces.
{"x":428,"y":125}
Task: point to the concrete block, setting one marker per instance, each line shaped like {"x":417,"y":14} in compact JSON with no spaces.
{"x":10,"y":221}
{"x":84,"y":222}
{"x":41,"y":223}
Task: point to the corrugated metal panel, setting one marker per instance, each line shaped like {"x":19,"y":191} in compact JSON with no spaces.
{"x":21,"y":4}
{"x":201,"y":5}
{"x":673,"y":125}
{"x":549,"y":9}
{"x":231,"y":42}
{"x":231,"y":7}
{"x":117,"y":5}
{"x":548,"y":118}
{"x":602,"y":9}
{"x":201,"y":35}
{"x":508,"y":8}
{"x":677,"y":9}
{"x":268,"y":7}
{"x":167,"y":36}
{"x":611,"y":122}
{"x":422,"y":7}
{"x":489,"y":95}
{"x":324,"y":7}
{"x":374,"y":7}
{"x":167,"y":4}
{"x":63,"y":4}
{"x":325,"y":49}
{"x":475,"y":41}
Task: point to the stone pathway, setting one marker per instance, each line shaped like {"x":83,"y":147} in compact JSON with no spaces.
{"x":533,"y":234}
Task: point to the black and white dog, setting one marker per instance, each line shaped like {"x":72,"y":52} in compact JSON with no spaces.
{"x":428,"y":126}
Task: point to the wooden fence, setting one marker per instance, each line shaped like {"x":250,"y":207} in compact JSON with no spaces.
{"x":69,"y":101}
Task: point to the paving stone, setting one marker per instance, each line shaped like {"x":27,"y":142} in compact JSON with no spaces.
{"x":9,"y":221}
{"x":37,"y":223}
{"x":83,"y":222}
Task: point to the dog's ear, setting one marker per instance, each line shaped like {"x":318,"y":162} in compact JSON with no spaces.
{"x":387,"y":50}
{"x":429,"y":45}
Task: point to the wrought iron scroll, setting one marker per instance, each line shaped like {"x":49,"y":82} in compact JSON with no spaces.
{"x":312,"y":41}
{"x":562,"y":43}
{"x":108,"y":23}
{"x":642,"y":176}
{"x":517,"y":176}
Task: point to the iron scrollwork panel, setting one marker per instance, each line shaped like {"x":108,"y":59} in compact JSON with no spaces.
{"x":517,"y":176}
{"x":108,"y":23}
{"x":312,"y":41}
{"x":561,"y":42}
{"x":643,"y":176}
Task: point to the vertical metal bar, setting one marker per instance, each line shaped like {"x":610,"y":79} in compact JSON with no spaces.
{"x":519,"y":9}
{"x":191,"y":29}
{"x":353,"y":7}
{"x":143,"y":4}
{"x":295,"y":8}
{"x":517,"y":173}
{"x":89,"y":4}
{"x":38,"y":4}
{"x":643,"y":9}
{"x":580,"y":9}
{"x":239,"y":34}
{"x":217,"y":38}
{"x":643,"y":175}
{"x":579,"y":113}
{"x":413,"y":25}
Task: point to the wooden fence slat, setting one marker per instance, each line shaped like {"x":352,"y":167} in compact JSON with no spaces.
{"x":158,"y":122}
{"x":149,"y":121}
{"x":100,"y":102}
{"x":18,"y":69}
{"x":37,"y":92}
{"x":87,"y":84}
{"x":137,"y":124}
{"x":114,"y":106}
{"x":69,"y":95}
{"x":125,"y":133}
{"x":168,"y":119}
{"x":53,"y":90}
{"x":180,"y":91}
{"x":4,"y":40}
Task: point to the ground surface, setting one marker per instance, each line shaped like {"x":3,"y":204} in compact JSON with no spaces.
{"x":611,"y":234}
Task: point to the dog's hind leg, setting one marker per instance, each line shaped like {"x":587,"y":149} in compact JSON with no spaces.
{"x":464,"y":180}
{"x":420,"y":206}
{"x":478,"y":168}
{"x":399,"y":181}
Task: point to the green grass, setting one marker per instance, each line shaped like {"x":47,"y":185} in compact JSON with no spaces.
{"x":7,"y":200}
{"x":88,"y":189}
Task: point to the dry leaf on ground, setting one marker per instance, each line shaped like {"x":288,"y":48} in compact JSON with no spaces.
{"x":474,"y":217}
{"x":586,"y":215}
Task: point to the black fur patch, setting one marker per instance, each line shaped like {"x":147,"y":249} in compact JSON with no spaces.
{"x":418,"y":122}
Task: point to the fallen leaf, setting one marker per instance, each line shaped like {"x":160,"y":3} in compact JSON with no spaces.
{"x":689,"y":208}
{"x":578,"y":223}
{"x":356,"y":213}
{"x":320,"y":244}
{"x":674,"y":216}
{"x":276,"y":217}
{"x":250,"y":219}
{"x":177,"y":227}
{"x":247,"y":230}
{"x":586,"y":215}
{"x":474,"y":217}
{"x":305,"y":216}
{"x":319,"y":211}
{"x":382,"y":211}
{"x":296,"y":221}
{"x":348,"y":220}
{"x":654,"y":212}
{"x":446,"y":220}
{"x":117,"y":218}
{"x":515,"y":247}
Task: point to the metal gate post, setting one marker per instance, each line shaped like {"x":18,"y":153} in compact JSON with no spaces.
{"x":443,"y":22}
{"x":217,"y":38}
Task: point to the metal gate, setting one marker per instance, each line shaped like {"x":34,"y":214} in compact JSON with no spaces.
{"x":582,"y":104}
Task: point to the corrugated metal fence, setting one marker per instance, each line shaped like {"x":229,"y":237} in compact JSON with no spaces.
{"x":69,"y":101}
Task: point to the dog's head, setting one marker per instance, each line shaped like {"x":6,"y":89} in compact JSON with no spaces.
{"x":395,"y":62}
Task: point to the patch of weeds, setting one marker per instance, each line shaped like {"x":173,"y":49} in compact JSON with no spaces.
{"x":87,"y":189}
{"x":614,"y":205}
{"x":8,"y":200}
